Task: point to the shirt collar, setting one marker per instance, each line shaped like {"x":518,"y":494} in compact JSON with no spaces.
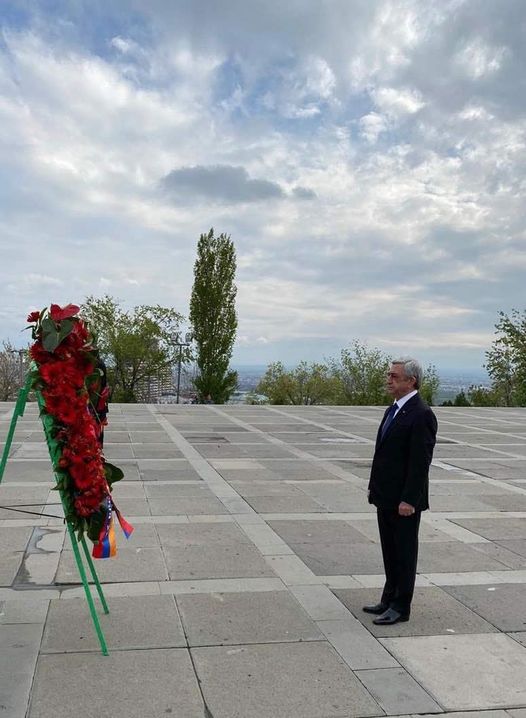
{"x":406,"y":398}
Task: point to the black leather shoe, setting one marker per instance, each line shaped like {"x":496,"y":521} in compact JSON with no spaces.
{"x":389,"y":617}
{"x":377,"y":608}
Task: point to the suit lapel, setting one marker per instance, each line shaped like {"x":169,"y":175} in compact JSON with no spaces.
{"x":406,"y":409}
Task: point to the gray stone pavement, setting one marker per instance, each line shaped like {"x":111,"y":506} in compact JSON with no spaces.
{"x":239,"y":594}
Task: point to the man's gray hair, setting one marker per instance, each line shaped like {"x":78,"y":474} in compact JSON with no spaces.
{"x":412,"y":369}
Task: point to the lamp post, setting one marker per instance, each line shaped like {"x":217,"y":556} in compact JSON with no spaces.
{"x":21,"y":353}
{"x":178,"y":343}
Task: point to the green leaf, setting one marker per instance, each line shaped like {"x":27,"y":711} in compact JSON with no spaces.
{"x":53,"y":334}
{"x":95,"y":524}
{"x":113,"y":473}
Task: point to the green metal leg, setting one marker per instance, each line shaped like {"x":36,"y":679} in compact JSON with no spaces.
{"x":94,"y":575}
{"x":87,"y":591}
{"x":18,"y":411}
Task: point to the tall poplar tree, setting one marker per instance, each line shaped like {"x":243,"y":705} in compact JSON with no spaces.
{"x":213,"y":316}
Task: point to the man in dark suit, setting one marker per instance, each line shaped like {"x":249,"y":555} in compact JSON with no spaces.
{"x":399,"y":486}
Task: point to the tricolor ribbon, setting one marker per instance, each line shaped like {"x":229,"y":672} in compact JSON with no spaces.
{"x":106,"y":547}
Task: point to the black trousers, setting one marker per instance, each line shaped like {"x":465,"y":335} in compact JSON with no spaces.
{"x":399,"y":540}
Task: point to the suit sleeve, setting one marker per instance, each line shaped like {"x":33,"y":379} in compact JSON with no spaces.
{"x":421,"y":445}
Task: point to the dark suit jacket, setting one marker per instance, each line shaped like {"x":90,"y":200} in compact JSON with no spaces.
{"x":400,"y":470}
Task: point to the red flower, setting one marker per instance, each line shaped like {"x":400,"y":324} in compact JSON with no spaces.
{"x":58,"y":313}
{"x":33,"y":317}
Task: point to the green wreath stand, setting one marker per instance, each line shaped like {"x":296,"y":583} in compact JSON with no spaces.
{"x":54,"y":454}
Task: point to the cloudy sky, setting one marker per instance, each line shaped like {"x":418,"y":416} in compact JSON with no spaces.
{"x":367,"y":158}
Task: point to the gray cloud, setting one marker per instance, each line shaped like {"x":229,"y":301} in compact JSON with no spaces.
{"x":225,"y":184}
{"x":220,"y":183}
{"x":304,"y":193}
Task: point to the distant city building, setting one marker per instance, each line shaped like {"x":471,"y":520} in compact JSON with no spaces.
{"x":151,"y":389}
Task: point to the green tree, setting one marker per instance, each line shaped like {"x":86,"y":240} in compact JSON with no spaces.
{"x":430,"y":384}
{"x":136,"y":345}
{"x":361,"y":375}
{"x":213,"y":316}
{"x":461,"y":400}
{"x":306,"y":384}
{"x":482,"y":396}
{"x":506,"y":360}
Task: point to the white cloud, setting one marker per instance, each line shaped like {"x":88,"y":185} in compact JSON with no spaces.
{"x":372,"y":125}
{"x":398,"y":101}
{"x":478,"y":59}
{"x":400,"y":124}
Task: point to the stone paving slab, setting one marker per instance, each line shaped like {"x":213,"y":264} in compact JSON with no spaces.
{"x":518,"y":546}
{"x":433,"y":612}
{"x":132,"y":623}
{"x":495,"y":529}
{"x":503,"y":605}
{"x":245,"y":618}
{"x":132,"y":564}
{"x":284,"y":504}
{"x":182,"y":535}
{"x":438,"y":557}
{"x":302,"y":680}
{"x":328,"y":559}
{"x":509,"y":558}
{"x":395,"y":690}
{"x":168,"y":506}
{"x":466,"y":672}
{"x":215,"y":561}
{"x":131,"y":684}
{"x":18,"y":656}
{"x":318,"y":532}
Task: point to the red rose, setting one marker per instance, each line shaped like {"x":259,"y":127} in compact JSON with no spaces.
{"x":58,"y":313}
{"x":33,"y":317}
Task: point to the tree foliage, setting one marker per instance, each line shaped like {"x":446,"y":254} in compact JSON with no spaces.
{"x":361,"y":375}
{"x":13,"y":368}
{"x":506,"y":360}
{"x":213,"y":316}
{"x":136,"y":344}
{"x":482,"y":396}
{"x":461,"y":399}
{"x":430,"y":384}
{"x":356,"y":378}
{"x":306,"y":384}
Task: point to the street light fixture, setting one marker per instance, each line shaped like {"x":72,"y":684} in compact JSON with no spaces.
{"x":21,"y":353}
{"x":177,"y":337}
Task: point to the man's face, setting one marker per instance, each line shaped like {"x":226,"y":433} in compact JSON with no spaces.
{"x":398,"y":384}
